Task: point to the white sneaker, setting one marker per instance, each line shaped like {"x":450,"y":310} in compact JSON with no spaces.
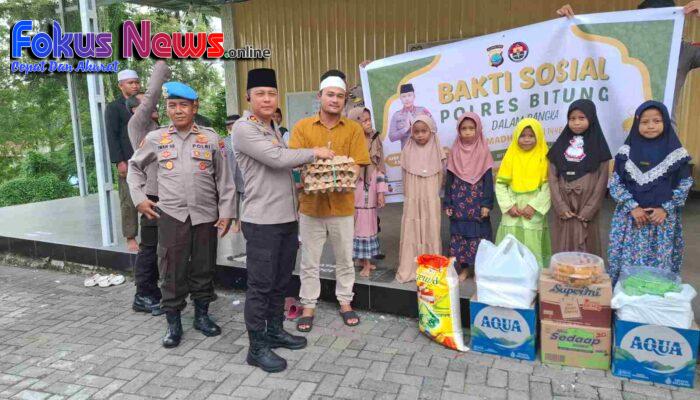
{"x":91,"y":281}
{"x":109,"y":280}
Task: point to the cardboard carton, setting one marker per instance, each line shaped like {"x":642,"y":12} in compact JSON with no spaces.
{"x":655,"y":353}
{"x":575,"y":345}
{"x":589,"y":306}
{"x":503,"y":331}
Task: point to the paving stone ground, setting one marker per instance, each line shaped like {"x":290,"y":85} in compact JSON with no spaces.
{"x":60,"y":340}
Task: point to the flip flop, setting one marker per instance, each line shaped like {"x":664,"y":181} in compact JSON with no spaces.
{"x":91,"y":281}
{"x":308,"y":321}
{"x":348,"y":315}
{"x":294,"y":312}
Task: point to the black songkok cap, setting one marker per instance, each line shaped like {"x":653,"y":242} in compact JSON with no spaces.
{"x":264,"y":77}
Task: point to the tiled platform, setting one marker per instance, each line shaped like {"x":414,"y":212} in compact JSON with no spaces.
{"x":68,"y":229}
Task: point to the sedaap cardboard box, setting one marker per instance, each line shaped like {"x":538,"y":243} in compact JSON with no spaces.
{"x":589,"y":306}
{"x":503,"y":331}
{"x":655,"y":353}
{"x":575,"y":345}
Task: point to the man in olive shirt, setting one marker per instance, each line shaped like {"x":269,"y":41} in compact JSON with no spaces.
{"x":329,"y":215}
{"x":269,"y":220}
{"x":196,"y":195}
{"x":117,"y":117}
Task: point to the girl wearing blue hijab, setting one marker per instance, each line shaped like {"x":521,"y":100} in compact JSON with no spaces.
{"x":650,"y":185}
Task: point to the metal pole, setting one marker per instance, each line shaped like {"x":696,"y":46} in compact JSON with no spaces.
{"x":75,"y":121}
{"x":77,"y":137}
{"x":88,"y":18}
{"x":230,"y":78}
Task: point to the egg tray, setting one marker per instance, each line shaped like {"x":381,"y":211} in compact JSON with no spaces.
{"x":334,"y":175}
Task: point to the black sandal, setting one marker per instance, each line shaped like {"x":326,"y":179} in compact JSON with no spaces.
{"x":305,"y":321}
{"x":348,"y":315}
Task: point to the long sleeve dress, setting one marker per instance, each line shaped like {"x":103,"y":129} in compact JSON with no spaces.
{"x":467,"y":228}
{"x":533,"y":233}
{"x":583,"y":197}
{"x":420,"y":223}
{"x":659,"y":246}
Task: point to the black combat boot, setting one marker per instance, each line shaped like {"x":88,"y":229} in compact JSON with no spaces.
{"x":174,"y":333}
{"x":260,"y":355}
{"x":147,"y":304}
{"x":142,"y":303}
{"x":202,"y":322}
{"x":278,"y":337}
{"x":156,"y":310}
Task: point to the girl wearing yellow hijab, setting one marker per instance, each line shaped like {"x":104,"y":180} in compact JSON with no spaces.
{"x":522,"y":190}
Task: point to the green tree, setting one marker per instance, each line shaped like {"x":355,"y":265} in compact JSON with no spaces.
{"x":38,"y":164}
{"x":36,"y":110}
{"x":202,"y":75}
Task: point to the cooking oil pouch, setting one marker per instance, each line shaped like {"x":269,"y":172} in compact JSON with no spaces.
{"x":438,"y":301}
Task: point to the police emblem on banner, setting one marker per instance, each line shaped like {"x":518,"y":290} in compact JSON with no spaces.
{"x":495,"y":55}
{"x":518,"y":51}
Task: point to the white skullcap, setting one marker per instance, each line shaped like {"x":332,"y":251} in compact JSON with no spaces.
{"x":333,"y":81}
{"x":127,"y":74}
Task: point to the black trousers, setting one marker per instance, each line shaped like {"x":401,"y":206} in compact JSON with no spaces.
{"x":186,"y":261}
{"x":272,"y":254}
{"x":146,"y":265}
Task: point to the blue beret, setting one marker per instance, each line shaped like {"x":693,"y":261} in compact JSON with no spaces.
{"x":178,"y":90}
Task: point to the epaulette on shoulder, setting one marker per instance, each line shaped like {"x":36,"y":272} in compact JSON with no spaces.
{"x":159,"y":130}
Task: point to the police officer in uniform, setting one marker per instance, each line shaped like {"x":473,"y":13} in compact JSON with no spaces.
{"x":196,"y":197}
{"x":269,"y":219}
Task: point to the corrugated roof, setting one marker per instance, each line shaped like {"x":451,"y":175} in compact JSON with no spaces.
{"x":205,"y":6}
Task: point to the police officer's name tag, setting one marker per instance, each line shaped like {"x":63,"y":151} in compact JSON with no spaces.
{"x":166,"y":146}
{"x":167,"y":155}
{"x":571,"y":173}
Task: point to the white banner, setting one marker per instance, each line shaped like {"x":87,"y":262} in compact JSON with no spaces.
{"x":618,"y":60}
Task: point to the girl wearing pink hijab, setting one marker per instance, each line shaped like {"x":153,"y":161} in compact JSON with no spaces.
{"x":469,"y":192}
{"x":423,"y":170}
